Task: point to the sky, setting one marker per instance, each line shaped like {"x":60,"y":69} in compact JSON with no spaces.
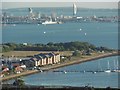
{"x":60,"y":0}
{"x":37,"y":3}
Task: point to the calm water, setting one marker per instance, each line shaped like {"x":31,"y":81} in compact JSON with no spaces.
{"x":100,"y":34}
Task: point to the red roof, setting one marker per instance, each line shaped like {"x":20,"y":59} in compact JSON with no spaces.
{"x":18,"y":69}
{"x":6,"y":69}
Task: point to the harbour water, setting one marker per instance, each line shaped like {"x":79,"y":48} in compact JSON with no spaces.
{"x":97,"y":33}
{"x":100,"y":34}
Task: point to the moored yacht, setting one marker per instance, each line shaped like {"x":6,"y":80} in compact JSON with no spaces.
{"x":64,"y":72}
{"x":116,"y":66}
{"x":108,"y":70}
{"x":49,"y":22}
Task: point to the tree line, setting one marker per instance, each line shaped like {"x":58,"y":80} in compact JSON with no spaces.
{"x":67,"y":46}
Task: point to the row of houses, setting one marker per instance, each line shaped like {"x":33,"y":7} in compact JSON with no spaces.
{"x":46,"y":59}
{"x":18,"y":66}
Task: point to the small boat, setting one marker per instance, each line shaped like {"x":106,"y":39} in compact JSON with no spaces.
{"x":41,"y":70}
{"x":108,"y":70}
{"x":44,"y":32}
{"x":94,"y":72}
{"x":64,"y":72}
{"x":49,"y":22}
{"x":84,"y":71}
{"x":14,"y":25}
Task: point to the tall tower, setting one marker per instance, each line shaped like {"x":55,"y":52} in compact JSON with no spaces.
{"x":31,"y":14}
{"x":53,"y":16}
{"x":30,"y":10}
{"x":74,"y":9}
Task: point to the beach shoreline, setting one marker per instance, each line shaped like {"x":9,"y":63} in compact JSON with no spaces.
{"x":47,"y":68}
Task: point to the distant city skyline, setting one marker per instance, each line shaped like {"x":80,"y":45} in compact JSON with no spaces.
{"x":111,"y":5}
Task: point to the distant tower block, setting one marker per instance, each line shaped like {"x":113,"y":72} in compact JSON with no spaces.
{"x":30,"y":10}
{"x":31,"y":14}
{"x":38,"y":15}
{"x":74,"y":9}
{"x":53,"y":16}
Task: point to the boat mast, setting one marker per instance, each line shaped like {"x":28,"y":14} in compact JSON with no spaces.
{"x":108,"y":65}
{"x":99,"y":65}
{"x":115,"y":65}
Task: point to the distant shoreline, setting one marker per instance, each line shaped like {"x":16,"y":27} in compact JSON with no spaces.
{"x":28,"y":72}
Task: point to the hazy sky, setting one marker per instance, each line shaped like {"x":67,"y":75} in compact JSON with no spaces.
{"x":60,"y":0}
{"x":91,"y":4}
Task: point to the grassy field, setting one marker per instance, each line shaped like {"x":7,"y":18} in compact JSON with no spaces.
{"x":31,"y":53}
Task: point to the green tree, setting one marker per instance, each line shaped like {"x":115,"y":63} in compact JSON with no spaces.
{"x":19,"y":82}
{"x":76,"y":53}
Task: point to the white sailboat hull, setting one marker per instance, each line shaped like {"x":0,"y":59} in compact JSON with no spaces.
{"x":108,"y":71}
{"x":49,"y":23}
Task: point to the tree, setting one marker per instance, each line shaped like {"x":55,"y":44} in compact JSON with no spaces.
{"x":76,"y":53}
{"x":19,"y":82}
{"x":50,"y":44}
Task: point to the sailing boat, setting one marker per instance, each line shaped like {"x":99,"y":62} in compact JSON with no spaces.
{"x":115,"y":66}
{"x":108,"y":70}
{"x":64,"y":72}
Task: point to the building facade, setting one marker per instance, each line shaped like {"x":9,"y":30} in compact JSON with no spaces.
{"x":46,"y":59}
